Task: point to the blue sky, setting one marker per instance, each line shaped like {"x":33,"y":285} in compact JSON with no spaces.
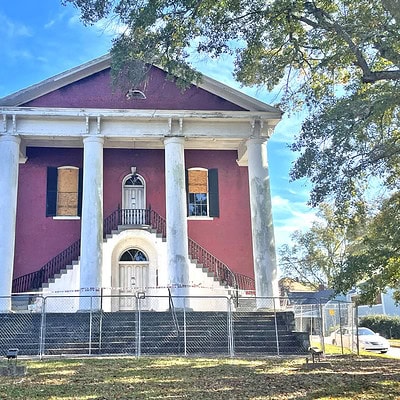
{"x":39,"y":39}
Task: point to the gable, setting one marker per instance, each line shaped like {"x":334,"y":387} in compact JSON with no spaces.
{"x":89,"y":86}
{"x":96,"y":91}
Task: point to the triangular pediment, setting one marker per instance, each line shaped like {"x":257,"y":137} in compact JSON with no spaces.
{"x":89,"y":86}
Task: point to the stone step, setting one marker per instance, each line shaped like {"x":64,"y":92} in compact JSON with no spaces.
{"x":206,"y":333}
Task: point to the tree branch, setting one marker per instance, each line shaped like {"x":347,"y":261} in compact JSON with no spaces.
{"x":368,"y":75}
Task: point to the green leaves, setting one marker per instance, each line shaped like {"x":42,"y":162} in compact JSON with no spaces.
{"x":375,"y":264}
{"x":339,"y":60}
{"x":350,"y":140}
{"x":345,"y":252}
{"x":319,"y":44}
{"x":318,"y":254}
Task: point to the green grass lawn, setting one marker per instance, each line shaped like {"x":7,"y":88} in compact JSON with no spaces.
{"x":347,"y":377}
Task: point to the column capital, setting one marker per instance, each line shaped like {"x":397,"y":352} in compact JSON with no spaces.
{"x":174,"y":139}
{"x":93,"y":139}
{"x":10,"y":138}
{"x":255,"y":141}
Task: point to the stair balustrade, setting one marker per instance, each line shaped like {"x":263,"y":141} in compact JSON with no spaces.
{"x":139,"y":217}
{"x":34,"y":280}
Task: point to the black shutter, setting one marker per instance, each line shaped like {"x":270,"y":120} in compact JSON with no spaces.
{"x":80,"y":186}
{"x":213,"y":195}
{"x":51,"y":193}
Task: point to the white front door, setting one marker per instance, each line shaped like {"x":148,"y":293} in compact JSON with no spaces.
{"x":133,"y":277}
{"x":134,"y":201}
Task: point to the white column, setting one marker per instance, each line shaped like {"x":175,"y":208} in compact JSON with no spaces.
{"x":265,"y":268}
{"x":92,"y":222}
{"x":9,"y":158}
{"x":177,"y":236}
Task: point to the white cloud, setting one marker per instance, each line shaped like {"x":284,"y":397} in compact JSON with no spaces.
{"x":20,"y":54}
{"x":74,"y":20}
{"x":49,"y":24}
{"x":290,"y":216}
{"x":12,"y":29}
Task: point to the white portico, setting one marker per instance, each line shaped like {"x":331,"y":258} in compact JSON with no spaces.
{"x":172,"y":131}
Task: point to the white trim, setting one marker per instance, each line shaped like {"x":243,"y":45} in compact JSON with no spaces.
{"x":61,"y":127}
{"x":67,"y":167}
{"x":199,"y":218}
{"x":148,"y":114}
{"x":66,"y":217}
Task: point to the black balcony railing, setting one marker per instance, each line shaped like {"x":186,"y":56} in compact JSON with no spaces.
{"x":139,"y":217}
{"x":128,"y":217}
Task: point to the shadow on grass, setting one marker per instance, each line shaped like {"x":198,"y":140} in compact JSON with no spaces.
{"x":202,"y":378}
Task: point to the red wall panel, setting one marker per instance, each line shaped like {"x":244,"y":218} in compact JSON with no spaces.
{"x":96,"y":91}
{"x":39,"y":238}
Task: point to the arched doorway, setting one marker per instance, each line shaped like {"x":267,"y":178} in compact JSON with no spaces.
{"x":134,"y":200}
{"x":133,"y":276}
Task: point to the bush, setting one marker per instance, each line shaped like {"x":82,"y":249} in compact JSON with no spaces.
{"x":385,"y":325}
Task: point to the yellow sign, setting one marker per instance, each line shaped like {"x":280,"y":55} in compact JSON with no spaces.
{"x":331,"y":311}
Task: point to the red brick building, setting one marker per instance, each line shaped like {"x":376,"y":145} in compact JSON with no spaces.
{"x":135,"y":189}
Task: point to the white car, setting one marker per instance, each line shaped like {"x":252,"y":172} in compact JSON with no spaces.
{"x":368,"y":340}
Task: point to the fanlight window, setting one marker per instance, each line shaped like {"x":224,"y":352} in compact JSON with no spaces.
{"x":134,"y":180}
{"x":133,"y":255}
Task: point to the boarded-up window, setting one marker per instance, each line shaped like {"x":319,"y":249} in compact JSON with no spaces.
{"x":197,"y":181}
{"x":64,"y":191}
{"x":202,"y":190}
{"x":67,"y":197}
{"x":198,"y":189}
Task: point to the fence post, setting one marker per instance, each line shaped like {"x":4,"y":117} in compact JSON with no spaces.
{"x":42,"y":332}
{"x":355,"y":319}
{"x":231,"y":344}
{"x":90,"y":325}
{"x":184,"y":328}
{"x":322,"y":327}
{"x":340,"y":327}
{"x":138,"y":328}
{"x":276,"y":330}
{"x":100,"y":330}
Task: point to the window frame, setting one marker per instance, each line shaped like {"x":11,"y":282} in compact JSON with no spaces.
{"x":52,"y":191}
{"x":212,"y":194}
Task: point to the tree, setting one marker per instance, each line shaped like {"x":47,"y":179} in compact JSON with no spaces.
{"x":343,"y":255}
{"x":319,"y":254}
{"x":374,"y":265}
{"x":341,"y":59}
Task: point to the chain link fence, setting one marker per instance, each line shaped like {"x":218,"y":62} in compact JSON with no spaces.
{"x":326,"y":322}
{"x":139,"y":325}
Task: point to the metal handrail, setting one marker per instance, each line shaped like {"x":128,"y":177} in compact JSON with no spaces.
{"x":134,"y":217}
{"x":146,"y":217}
{"x":213,"y":264}
{"x":34,"y":280}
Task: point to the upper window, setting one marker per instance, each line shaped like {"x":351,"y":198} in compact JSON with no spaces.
{"x":202,"y":191}
{"x":67,"y":193}
{"x":63,"y":192}
{"x":198,"y":190}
